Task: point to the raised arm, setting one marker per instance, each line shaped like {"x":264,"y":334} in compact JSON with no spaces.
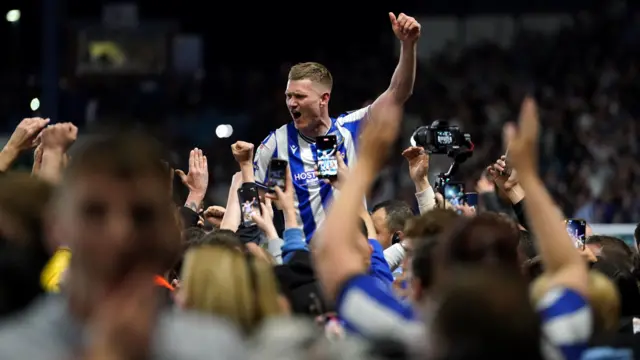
{"x":407,"y":30}
{"x":562,"y":262}
{"x":232,"y":215}
{"x":337,"y":253}
{"x":56,"y":140}
{"x":243,"y":153}
{"x":197,"y":180}
{"x":22,"y":139}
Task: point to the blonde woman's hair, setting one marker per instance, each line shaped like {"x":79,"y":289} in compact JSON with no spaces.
{"x":603,"y":297}
{"x":230,"y":284}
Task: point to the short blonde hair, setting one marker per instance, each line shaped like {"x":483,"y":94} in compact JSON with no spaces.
{"x":225,"y":282}
{"x":313,"y":71}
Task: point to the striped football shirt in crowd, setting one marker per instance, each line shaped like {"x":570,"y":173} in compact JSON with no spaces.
{"x":567,"y":324}
{"x":368,"y":307}
{"x":312,"y":196}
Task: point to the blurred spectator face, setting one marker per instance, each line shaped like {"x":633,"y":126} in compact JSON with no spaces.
{"x":389,"y":219}
{"x":379,"y":218}
{"x":304,"y":100}
{"x":113,"y":223}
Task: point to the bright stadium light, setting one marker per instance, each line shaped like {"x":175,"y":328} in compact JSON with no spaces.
{"x":35,"y":104}
{"x":220,"y":131}
{"x":229,"y":130}
{"x":224,"y":131}
{"x":13,"y":16}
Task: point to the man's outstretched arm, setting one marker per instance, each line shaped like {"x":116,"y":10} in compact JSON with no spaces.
{"x":407,"y":30}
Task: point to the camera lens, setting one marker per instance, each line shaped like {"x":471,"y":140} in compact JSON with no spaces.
{"x":419,"y":137}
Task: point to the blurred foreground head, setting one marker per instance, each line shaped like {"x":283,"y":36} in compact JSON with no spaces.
{"x":114,"y":210}
{"x":485,"y":313}
{"x":486,"y":239}
{"x":23,"y":253}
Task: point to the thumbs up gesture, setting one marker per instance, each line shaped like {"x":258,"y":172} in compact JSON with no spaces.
{"x":406,"y":28}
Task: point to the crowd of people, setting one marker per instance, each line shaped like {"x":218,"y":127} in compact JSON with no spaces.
{"x":585,"y":77}
{"x":101,"y":263}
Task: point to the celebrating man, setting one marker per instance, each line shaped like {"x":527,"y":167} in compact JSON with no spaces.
{"x":307,"y":97}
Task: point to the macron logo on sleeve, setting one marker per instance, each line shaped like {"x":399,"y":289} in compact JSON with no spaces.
{"x":293,"y":148}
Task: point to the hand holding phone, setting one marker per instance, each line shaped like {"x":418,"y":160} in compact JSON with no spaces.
{"x":454,"y":193}
{"x":577,"y":229}
{"x":249,"y":203}
{"x":276,"y":174}
{"x":326,"y":160}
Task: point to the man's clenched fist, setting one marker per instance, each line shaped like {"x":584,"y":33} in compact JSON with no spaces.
{"x":242,"y":152}
{"x":59,"y":136}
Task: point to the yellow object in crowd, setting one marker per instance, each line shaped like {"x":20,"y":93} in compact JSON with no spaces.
{"x":53,"y":272}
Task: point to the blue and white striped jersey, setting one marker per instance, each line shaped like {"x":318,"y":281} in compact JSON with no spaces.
{"x":312,"y":196}
{"x":367,"y":307}
{"x":567,"y":324}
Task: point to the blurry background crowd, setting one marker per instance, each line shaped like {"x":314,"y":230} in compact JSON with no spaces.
{"x":198,"y":76}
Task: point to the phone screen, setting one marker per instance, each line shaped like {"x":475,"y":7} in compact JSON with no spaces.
{"x":277,"y":174}
{"x":249,"y":203}
{"x":454,"y":193}
{"x":577,"y":229}
{"x":326,"y":151}
{"x":471,"y":198}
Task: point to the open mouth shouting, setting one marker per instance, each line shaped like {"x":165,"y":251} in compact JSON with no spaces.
{"x":296,"y":114}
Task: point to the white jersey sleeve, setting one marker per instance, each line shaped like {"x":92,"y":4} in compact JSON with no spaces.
{"x":265,"y":152}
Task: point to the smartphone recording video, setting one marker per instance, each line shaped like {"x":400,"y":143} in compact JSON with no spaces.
{"x":454,"y":193}
{"x":471,"y":199}
{"x":326,"y":152}
{"x":249,"y":203}
{"x":577,"y":229}
{"x":276,"y":175}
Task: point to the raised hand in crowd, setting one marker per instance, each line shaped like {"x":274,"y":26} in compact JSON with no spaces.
{"x":466,"y":210}
{"x":197,"y":180}
{"x":485,"y":184}
{"x":418,"y":160}
{"x":563,"y":265}
{"x":23,"y":138}
{"x":441,"y":202}
{"x":285,"y":201}
{"x":214,"y":215}
{"x":25,"y":135}
{"x":506,"y":178}
{"x":59,"y":137}
{"x":243,"y":153}
{"x":55,"y":141}
{"x":343,"y":172}
{"x":264,"y":220}
{"x":406,"y":28}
